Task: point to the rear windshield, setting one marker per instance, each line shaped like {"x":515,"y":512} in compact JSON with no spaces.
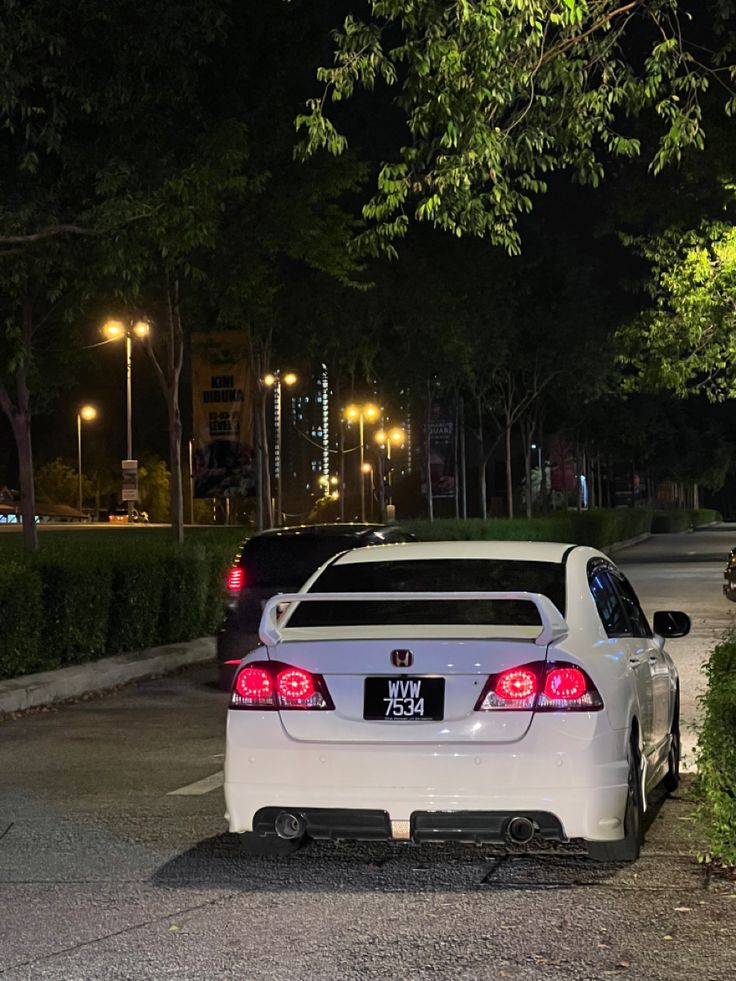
{"x":433,"y":575}
{"x":288,"y":561}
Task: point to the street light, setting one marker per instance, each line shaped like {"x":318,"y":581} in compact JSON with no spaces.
{"x":274,"y":380}
{"x":393,"y":437}
{"x":360,"y":413}
{"x":113,"y":330}
{"x":88,"y":413}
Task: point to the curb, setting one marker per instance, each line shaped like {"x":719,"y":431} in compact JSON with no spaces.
{"x":618,"y":546}
{"x":47,"y":687}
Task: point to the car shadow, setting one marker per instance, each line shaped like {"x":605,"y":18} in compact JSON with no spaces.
{"x":222,"y":863}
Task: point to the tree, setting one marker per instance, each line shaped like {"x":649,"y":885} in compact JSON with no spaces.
{"x":497,"y":94}
{"x":58,"y":483}
{"x":686,"y":341}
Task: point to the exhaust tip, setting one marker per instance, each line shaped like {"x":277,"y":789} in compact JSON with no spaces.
{"x":288,"y":826}
{"x":520,"y":830}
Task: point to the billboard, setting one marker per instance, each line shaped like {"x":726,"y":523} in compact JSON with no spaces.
{"x":222,"y":395}
{"x":442,"y":448}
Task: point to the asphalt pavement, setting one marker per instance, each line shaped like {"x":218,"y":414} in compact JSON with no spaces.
{"x":115,"y":863}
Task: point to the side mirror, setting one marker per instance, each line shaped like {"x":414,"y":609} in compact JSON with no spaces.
{"x":671,"y":623}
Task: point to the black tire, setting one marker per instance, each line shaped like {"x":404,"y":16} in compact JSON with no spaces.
{"x":627,"y":848}
{"x":672,"y":778}
{"x":269,"y":846}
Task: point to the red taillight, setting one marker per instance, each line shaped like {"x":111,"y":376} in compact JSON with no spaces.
{"x":235,"y":579}
{"x":295,"y":684}
{"x":540,"y":687}
{"x":565,"y":683}
{"x":517,"y":684}
{"x":254,"y":684}
{"x":273,"y":685}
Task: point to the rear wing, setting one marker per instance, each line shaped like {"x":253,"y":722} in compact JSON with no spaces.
{"x":275,"y":617}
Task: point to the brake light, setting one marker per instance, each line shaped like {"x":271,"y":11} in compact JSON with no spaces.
{"x":255,"y":685}
{"x":235,"y":579}
{"x":272,"y":685}
{"x":564,"y":683}
{"x":540,"y":687}
{"x":295,"y":684}
{"x":518,"y":684}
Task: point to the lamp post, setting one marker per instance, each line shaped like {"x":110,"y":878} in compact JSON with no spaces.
{"x":370,"y":412}
{"x":395,"y":437}
{"x":273,"y":380}
{"x":115,"y":330}
{"x":88,"y":413}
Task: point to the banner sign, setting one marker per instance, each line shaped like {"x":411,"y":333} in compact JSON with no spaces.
{"x":130,"y":480}
{"x":222,"y":397}
{"x":442,"y":449}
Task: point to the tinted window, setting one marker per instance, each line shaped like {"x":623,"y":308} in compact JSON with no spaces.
{"x":434,"y":575}
{"x":610,"y":608}
{"x":639,"y":624}
{"x":288,"y":561}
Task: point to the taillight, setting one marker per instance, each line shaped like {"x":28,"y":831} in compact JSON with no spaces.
{"x":235,"y":579}
{"x":273,"y":685}
{"x":540,"y":687}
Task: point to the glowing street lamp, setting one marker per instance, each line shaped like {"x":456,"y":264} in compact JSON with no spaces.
{"x":274,"y":380}
{"x":88,"y":413}
{"x":360,"y":413}
{"x":114,"y":330}
{"x":395,"y":437}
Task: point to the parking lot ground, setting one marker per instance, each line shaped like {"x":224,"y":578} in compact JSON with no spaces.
{"x":105,"y":873}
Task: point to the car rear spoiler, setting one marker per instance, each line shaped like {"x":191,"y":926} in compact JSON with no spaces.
{"x":273,"y":620}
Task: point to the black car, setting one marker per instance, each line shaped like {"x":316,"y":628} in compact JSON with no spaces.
{"x":280,"y":561}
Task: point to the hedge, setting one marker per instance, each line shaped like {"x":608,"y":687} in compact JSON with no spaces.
{"x":683,"y":520}
{"x":87,"y":596}
{"x":716,"y":781}
{"x":598,"y":528}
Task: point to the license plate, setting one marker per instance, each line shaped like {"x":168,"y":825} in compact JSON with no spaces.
{"x":404,"y":698}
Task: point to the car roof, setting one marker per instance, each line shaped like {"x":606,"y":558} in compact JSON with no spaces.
{"x":520,"y":551}
{"x":346,"y":529}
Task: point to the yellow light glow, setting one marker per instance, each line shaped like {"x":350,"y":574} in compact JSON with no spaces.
{"x":397,"y":436}
{"x":380,"y":437}
{"x":371,"y":411}
{"x":352,"y":412}
{"x":366,"y":468}
{"x":269,"y":379}
{"x":141,"y":328}
{"x":334,"y":481}
{"x":335,"y":495}
{"x":112,"y":329}
{"x":88,"y":412}
{"x":289,"y":378}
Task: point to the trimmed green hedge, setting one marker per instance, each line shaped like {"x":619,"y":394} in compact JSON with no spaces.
{"x":683,"y":520}
{"x":598,"y":528}
{"x":716,"y":782}
{"x":89,"y":595}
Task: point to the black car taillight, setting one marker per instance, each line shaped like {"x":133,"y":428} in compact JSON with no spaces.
{"x":540,"y":687}
{"x":235,"y":579}
{"x":273,"y":685}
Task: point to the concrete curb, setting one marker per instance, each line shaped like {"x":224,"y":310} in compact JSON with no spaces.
{"x":47,"y":687}
{"x":619,"y":546}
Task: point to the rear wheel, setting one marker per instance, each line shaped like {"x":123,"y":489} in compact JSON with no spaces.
{"x":628,"y":848}
{"x":672,"y":778}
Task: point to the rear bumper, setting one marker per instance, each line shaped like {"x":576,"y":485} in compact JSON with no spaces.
{"x":477,"y":827}
{"x":573,"y":768}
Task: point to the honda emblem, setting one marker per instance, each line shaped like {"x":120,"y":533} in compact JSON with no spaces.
{"x":402,"y":659}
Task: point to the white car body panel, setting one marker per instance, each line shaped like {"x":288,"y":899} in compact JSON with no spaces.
{"x":571,"y":764}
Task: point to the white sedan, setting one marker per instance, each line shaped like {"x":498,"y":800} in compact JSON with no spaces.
{"x":469,"y":691}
